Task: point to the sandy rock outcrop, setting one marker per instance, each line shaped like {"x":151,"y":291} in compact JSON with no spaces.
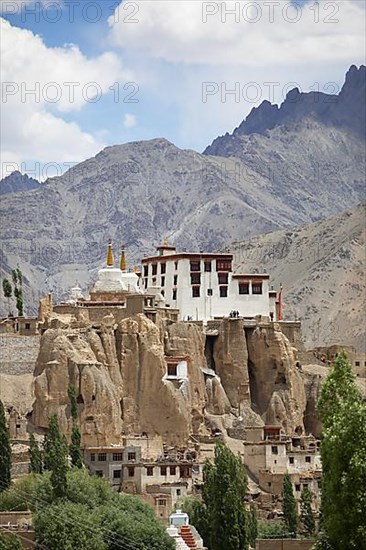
{"x":276,"y":384}
{"x":231,"y":361}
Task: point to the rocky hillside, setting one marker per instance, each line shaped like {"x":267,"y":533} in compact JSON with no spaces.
{"x":322,"y":269}
{"x":301,"y":170}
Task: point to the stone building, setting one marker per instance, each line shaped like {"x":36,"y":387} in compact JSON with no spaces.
{"x":162,"y":477}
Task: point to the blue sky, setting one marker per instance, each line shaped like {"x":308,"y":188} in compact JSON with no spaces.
{"x":173,"y":62}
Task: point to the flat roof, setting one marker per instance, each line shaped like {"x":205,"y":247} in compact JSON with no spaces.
{"x":187,"y":255}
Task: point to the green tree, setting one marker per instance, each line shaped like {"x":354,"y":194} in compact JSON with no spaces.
{"x":5,"y":451}
{"x":289,"y":505}
{"x":224,"y":490}
{"x":75,"y":449}
{"x":10,"y":542}
{"x":18,"y":290}
{"x":7,"y":291}
{"x":272,"y":529}
{"x":306,"y":512}
{"x":55,"y":457}
{"x":66,"y":525}
{"x":343,"y":452}
{"x":253,"y":525}
{"x":35,"y":455}
{"x":73,"y":404}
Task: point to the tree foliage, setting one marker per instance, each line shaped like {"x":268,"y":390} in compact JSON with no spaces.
{"x":343,"y":452}
{"x":289,"y":505}
{"x":272,"y":529}
{"x":73,"y":404}
{"x":306,"y":512}
{"x":7,"y":288}
{"x":5,"y":451}
{"x":10,"y":542}
{"x":75,"y":449}
{"x":224,"y":521}
{"x":18,"y":290}
{"x":55,"y":457}
{"x":35,"y":455}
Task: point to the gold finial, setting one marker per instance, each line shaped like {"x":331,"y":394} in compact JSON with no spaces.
{"x":165,"y":242}
{"x":123,"y":259}
{"x":110,"y":259}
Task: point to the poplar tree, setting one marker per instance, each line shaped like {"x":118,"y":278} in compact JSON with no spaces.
{"x":289,"y":506}
{"x":75,"y":447}
{"x":306,"y":512}
{"x":343,"y":453}
{"x":224,"y":490}
{"x":35,"y":455}
{"x":55,"y":457}
{"x":5,"y":451}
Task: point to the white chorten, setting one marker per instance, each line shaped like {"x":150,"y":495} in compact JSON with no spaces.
{"x":114,"y":279}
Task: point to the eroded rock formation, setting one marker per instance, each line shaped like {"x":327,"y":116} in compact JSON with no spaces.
{"x":244,"y":377}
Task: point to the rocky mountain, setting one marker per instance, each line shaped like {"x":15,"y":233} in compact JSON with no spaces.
{"x":299,"y":171}
{"x":17,"y":182}
{"x":322,"y":269}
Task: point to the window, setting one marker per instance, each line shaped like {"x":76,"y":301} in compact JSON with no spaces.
{"x":179,"y":492}
{"x":357,"y":363}
{"x":162,"y":281}
{"x":209,"y":292}
{"x":92,"y":457}
{"x":223,"y":291}
{"x":154,"y":269}
{"x":257,"y":288}
{"x":146,"y":280}
{"x":195,"y":278}
{"x":174,"y":293}
{"x":131,"y":455}
{"x":162,"y":292}
{"x":305,"y":485}
{"x":117,"y":474}
{"x":163,"y":269}
{"x":195,"y":266}
{"x":163,"y":470}
{"x":176,"y":265}
{"x":102,"y":457}
{"x":118,"y":457}
{"x":274,"y":450}
{"x":146,"y":270}
{"x":291,"y":459}
{"x":208,"y":266}
{"x":297,"y":487}
{"x":173,"y":470}
{"x":195,"y":291}
{"x":161,"y":502}
{"x":131,"y":471}
{"x":243,"y":288}
{"x":172,"y":369}
{"x":319,"y":484}
{"x":308,"y":459}
{"x":99,"y":473}
{"x":175,"y":280}
{"x":223,"y":265}
{"x":154,"y":281}
{"x":269,"y":484}
{"x":149,"y":471}
{"x":27,"y":326}
{"x":223,"y":278}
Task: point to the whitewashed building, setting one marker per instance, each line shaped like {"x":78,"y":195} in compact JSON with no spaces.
{"x":202,"y":285}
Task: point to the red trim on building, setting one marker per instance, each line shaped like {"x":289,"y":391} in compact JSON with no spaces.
{"x":186,"y":255}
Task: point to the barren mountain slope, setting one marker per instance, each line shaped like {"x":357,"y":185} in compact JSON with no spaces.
{"x":322,"y":269}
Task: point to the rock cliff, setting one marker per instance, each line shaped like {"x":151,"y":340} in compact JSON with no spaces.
{"x":120,"y":373}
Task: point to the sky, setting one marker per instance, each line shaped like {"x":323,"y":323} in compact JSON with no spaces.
{"x":79,"y":75}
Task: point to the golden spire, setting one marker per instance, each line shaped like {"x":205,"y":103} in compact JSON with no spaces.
{"x":123,"y":259}
{"x":110,"y":259}
{"x":165,"y":242}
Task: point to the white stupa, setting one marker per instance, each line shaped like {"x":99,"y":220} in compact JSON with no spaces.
{"x":114,"y":279}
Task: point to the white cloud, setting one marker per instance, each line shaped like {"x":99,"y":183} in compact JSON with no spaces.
{"x":33,"y":77}
{"x":242,"y":33}
{"x":129,"y":121}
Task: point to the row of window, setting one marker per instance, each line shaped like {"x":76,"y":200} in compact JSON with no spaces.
{"x":116,"y":457}
{"x":195,"y":265}
{"x":274,"y":450}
